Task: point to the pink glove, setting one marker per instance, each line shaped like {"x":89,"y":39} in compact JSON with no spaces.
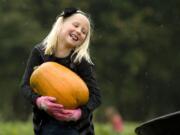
{"x":76,"y":114}
{"x":69,"y":114}
{"x":48,"y":104}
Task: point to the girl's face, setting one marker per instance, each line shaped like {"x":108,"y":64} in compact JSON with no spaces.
{"x":74,"y":30}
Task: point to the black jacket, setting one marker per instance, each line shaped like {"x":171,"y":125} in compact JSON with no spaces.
{"x":84,"y":69}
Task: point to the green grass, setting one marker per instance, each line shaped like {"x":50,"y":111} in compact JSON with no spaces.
{"x":16,"y":128}
{"x":25,"y":128}
{"x":106,"y":129}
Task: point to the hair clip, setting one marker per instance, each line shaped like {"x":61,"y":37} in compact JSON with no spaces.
{"x":68,"y":12}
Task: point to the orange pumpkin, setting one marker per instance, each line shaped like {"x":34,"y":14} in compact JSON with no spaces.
{"x":53,"y":79}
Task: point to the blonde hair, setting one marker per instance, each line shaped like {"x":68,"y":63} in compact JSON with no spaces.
{"x":51,"y":41}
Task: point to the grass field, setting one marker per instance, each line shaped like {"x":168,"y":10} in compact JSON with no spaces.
{"x":19,"y":128}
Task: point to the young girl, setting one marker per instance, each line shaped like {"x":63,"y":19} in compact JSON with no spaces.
{"x":67,"y":44}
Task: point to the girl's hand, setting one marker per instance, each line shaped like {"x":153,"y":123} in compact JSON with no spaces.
{"x":49,"y":105}
{"x":56,"y":110}
{"x":68,"y":114}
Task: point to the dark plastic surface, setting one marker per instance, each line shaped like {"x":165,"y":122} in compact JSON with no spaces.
{"x":164,"y":125}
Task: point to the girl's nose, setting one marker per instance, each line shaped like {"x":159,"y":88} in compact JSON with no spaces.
{"x":78,"y":30}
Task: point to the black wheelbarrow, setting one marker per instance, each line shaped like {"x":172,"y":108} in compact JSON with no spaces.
{"x":164,"y":125}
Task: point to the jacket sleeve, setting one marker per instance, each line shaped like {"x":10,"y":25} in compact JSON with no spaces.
{"x":87,"y":72}
{"x":33,"y":60}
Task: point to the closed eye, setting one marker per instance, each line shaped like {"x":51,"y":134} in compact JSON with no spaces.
{"x":84,"y":32}
{"x":75,"y":25}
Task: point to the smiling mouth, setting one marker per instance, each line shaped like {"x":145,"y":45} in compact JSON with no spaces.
{"x":74,"y":37}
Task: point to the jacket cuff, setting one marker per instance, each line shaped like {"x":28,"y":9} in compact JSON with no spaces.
{"x":85,"y":112}
{"x":34,"y":97}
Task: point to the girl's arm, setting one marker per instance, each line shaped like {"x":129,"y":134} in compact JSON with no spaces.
{"x":87,"y":73}
{"x":33,"y":60}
